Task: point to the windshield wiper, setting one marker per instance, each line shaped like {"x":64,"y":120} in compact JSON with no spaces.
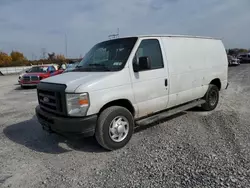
{"x":99,"y":65}
{"x":78,"y":66}
{"x":96,"y":64}
{"x":91,"y":67}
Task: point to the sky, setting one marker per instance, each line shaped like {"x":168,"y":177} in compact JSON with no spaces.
{"x":35,"y":26}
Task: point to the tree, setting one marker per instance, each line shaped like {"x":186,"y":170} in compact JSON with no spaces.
{"x":243,"y":50}
{"x":17,"y":56}
{"x":5,"y":59}
{"x":237,"y":51}
{"x":51,"y":56}
{"x":60,"y":57}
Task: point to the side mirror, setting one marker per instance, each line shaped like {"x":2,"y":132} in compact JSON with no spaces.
{"x":136,"y":65}
{"x":143,"y":64}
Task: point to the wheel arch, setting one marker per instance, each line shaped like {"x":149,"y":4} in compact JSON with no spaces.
{"x":119,"y":102}
{"x":216,"y":82}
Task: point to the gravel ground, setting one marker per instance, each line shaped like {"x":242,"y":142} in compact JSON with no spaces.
{"x":192,"y":149}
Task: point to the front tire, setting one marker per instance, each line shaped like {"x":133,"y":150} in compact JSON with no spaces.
{"x":211,"y":98}
{"x":115,"y":127}
{"x":23,"y":87}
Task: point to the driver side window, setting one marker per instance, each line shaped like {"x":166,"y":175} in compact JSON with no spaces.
{"x":151,"y":48}
{"x":53,"y":69}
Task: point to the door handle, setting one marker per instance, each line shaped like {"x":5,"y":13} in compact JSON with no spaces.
{"x":166,"y":82}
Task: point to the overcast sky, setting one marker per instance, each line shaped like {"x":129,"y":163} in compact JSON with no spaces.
{"x":30,"y":25}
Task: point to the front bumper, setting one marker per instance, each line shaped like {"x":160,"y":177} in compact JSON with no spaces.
{"x":29,"y":83}
{"x":67,"y":126}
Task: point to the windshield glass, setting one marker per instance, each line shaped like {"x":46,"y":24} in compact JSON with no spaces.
{"x":38,"y":69}
{"x":107,"y":56}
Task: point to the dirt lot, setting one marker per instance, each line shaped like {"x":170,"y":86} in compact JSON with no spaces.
{"x":193,"y":149}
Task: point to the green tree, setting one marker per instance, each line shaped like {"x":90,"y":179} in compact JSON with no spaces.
{"x":5,"y":59}
{"x":60,"y":57}
{"x":17,"y":56}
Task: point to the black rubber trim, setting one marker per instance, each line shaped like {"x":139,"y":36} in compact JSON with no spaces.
{"x":59,"y":89}
{"x":84,"y":126}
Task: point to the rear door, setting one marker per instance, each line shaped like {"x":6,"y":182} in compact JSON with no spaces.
{"x":150,"y":87}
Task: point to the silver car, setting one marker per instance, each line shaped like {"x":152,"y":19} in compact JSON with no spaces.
{"x":233,"y":61}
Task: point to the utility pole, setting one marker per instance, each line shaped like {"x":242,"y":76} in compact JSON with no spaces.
{"x":33,"y":56}
{"x":66,"y":46}
{"x":43,"y":53}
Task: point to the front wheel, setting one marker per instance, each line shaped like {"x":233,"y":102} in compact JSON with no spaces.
{"x":115,"y":127}
{"x":211,"y":98}
{"x":23,"y":87}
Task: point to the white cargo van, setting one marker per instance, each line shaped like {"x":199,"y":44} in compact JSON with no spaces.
{"x":126,"y":80}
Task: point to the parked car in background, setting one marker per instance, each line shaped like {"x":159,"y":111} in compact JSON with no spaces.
{"x":37,"y":73}
{"x":233,"y":61}
{"x":244,"y":58}
{"x":22,"y":73}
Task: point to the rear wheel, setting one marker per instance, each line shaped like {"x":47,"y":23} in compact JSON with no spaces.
{"x":211,"y":98}
{"x":115,"y":127}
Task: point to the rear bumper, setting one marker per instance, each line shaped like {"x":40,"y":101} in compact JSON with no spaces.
{"x":67,"y":126}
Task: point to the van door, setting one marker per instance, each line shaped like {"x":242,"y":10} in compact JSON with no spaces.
{"x":150,"y":86}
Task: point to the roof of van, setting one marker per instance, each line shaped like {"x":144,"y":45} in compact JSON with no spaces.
{"x":181,"y":36}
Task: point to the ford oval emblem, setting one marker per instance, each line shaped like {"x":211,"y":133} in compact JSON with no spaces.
{"x":46,"y":99}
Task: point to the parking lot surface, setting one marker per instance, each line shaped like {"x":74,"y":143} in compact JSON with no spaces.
{"x":191,"y":149}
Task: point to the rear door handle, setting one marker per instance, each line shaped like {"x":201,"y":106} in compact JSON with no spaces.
{"x":166,"y":82}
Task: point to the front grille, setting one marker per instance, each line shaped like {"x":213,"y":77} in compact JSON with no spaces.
{"x":30,"y":78}
{"x":52,"y":98}
{"x":50,"y":101}
{"x":34,"y":78}
{"x":26,"y":78}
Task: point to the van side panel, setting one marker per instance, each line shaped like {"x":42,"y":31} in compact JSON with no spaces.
{"x":193,"y":63}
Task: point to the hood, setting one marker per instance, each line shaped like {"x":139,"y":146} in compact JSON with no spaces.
{"x":89,"y":81}
{"x":33,"y":74}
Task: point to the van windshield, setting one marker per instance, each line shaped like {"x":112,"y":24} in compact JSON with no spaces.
{"x":110,"y":55}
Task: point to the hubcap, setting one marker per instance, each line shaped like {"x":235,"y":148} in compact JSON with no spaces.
{"x":213,"y":98}
{"x":118,"y":129}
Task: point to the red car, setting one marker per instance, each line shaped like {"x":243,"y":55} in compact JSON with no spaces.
{"x":37,"y":73}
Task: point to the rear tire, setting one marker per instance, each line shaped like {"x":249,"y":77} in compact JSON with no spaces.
{"x":115,"y":127}
{"x":211,"y":98}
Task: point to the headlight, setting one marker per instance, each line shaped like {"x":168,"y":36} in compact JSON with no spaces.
{"x":77,"y":104}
